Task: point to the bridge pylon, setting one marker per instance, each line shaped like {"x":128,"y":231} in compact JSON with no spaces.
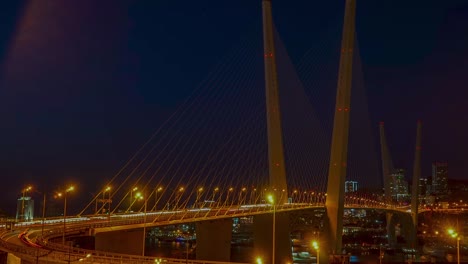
{"x":339,"y":149}
{"x":271,"y":232}
{"x":276,"y":164}
{"x":387,"y":169}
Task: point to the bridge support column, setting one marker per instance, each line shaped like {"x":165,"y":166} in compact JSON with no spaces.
{"x":214,"y":240}
{"x":263,"y":238}
{"x":339,"y":148}
{"x":408,"y":230}
{"x":391,"y":236}
{"x":12,"y":259}
{"x":123,"y":241}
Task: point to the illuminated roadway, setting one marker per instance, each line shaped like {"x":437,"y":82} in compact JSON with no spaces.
{"x":31,"y":247}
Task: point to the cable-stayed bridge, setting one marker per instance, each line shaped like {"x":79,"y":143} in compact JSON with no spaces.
{"x":42,"y":245}
{"x":248,"y":142}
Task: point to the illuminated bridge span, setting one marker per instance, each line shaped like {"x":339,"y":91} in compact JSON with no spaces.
{"x":40,"y":236}
{"x":237,"y":148}
{"x":42,"y":247}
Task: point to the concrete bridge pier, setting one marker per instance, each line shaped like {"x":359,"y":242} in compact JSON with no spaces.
{"x":263,"y":238}
{"x":391,"y":223}
{"x":214,"y":240}
{"x":408,"y":230}
{"x":128,"y":241}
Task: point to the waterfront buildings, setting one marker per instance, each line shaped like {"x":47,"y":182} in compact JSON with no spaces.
{"x":440,"y":179}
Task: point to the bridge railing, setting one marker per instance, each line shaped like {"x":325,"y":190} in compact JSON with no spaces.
{"x":58,"y":251}
{"x":69,"y":254}
{"x":138,"y":219}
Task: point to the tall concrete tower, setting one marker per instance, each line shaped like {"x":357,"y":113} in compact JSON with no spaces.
{"x":339,"y":150}
{"x":274,"y":247}
{"x":415,"y":187}
{"x":276,"y":162}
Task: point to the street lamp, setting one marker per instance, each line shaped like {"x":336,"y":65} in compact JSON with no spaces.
{"x":241,"y":196}
{"x":140,"y":196}
{"x":25,"y":190}
{"x":253,"y":196}
{"x":156,"y":191}
{"x":108,"y":201}
{"x":272,"y":201}
{"x":178,"y":197}
{"x":259,"y":260}
{"x":455,"y":235}
{"x":131,"y":198}
{"x":199,"y":193}
{"x":227,"y":197}
{"x":69,"y":189}
{"x":214,"y":194}
{"x":294,"y":194}
{"x":315,"y":245}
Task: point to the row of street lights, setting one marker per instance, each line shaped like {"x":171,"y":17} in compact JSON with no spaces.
{"x":229,"y":193}
{"x":58,"y":195}
{"x":139,"y":196}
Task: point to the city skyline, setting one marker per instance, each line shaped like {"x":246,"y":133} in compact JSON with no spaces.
{"x":88,"y":130}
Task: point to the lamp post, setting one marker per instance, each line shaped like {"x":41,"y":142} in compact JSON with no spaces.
{"x":179,"y":196}
{"x":71,"y":188}
{"x":131,"y":198}
{"x":315,"y":245}
{"x":199,"y":193}
{"x":108,"y":201}
{"x":144,"y":227}
{"x":25,"y":190}
{"x":227,"y":197}
{"x":214,"y":194}
{"x":253,"y":196}
{"x":455,"y":235}
{"x":138,"y":196}
{"x":241,"y":196}
{"x":272,"y":202}
{"x":43,"y":215}
{"x":156,"y":191}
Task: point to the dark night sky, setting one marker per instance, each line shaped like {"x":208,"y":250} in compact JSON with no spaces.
{"x":84,"y":83}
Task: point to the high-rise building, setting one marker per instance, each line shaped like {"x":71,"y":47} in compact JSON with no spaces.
{"x":423,"y":184}
{"x":440,"y":178}
{"x":399,"y":186}
{"x":351,"y":186}
{"x":423,"y":189}
{"x":25,"y":209}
